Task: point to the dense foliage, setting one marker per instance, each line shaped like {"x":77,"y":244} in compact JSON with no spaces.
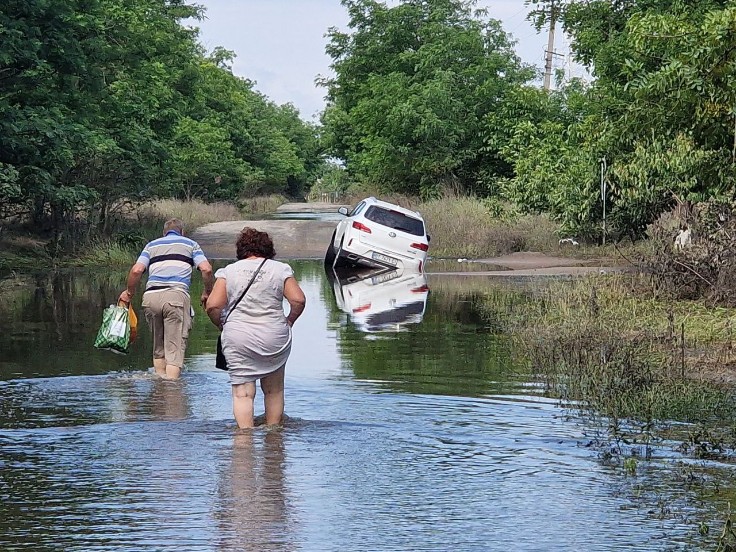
{"x":416,"y":86}
{"x":102,"y":100}
{"x":429,"y":94}
{"x":660,"y":112}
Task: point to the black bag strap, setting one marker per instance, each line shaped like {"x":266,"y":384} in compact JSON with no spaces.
{"x":235,"y":304}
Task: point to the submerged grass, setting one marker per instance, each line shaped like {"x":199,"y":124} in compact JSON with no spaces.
{"x":607,"y":344}
{"x":633,"y":367}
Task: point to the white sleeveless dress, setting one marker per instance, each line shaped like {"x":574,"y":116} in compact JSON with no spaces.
{"x":256,"y":339}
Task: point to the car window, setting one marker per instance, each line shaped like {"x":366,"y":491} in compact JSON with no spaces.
{"x":395,"y":220}
{"x":357,"y":210}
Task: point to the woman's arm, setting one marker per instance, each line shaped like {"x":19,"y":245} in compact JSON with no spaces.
{"x":217,"y":301}
{"x":297,"y":301}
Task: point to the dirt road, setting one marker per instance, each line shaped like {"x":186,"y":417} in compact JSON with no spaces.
{"x":292,"y":239}
{"x":308,"y":239}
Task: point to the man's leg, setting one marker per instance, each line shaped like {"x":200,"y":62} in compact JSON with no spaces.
{"x":177,"y":321}
{"x":243,"y":396}
{"x":152,"y":310}
{"x":159,"y":366}
{"x":172,"y":372}
{"x":273,"y":396}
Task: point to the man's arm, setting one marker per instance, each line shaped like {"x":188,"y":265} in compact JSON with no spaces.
{"x":134,"y":278}
{"x":206,"y":269}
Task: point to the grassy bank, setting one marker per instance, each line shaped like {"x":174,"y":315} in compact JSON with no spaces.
{"x":467,"y":227}
{"x":460,"y":227}
{"x":138,"y":226}
{"x":128,"y":228}
{"x":609,"y":345}
{"x":261,"y":205}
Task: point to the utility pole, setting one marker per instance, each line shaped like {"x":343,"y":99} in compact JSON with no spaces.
{"x":550,"y":52}
{"x":604,"y":168}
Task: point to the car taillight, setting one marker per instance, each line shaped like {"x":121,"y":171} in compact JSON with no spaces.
{"x":421,"y":289}
{"x":363,"y":308}
{"x":421,"y":246}
{"x":362,"y":227}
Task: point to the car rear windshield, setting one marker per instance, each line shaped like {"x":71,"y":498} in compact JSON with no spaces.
{"x":395,"y":220}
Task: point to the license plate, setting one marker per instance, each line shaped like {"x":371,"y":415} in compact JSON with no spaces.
{"x":385,"y":259}
{"x":381,"y":278}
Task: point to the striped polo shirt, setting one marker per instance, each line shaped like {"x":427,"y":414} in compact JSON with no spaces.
{"x":169,"y":261}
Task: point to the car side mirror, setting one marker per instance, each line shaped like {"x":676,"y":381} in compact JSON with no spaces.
{"x":343,"y":211}
{"x":429,"y":238}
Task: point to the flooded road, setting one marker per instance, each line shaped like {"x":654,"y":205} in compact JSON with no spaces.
{"x":410,"y":429}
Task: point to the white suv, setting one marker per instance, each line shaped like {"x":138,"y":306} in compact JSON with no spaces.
{"x":379,"y":234}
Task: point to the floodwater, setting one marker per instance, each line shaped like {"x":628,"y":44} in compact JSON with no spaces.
{"x":410,"y":429}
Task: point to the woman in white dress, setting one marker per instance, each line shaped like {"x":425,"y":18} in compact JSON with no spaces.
{"x":256,"y":338}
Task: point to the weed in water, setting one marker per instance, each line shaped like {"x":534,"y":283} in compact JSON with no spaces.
{"x":630,"y":466}
{"x":727,"y":539}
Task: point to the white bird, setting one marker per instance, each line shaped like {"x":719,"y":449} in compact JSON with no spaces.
{"x":571,"y":241}
{"x":684,"y":239}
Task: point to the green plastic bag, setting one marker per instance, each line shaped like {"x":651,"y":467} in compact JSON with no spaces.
{"x":114,"y":334}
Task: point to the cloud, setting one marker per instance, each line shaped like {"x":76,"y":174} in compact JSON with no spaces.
{"x":280,"y":44}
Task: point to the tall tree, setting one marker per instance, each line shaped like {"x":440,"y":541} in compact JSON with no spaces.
{"x":660,"y":112}
{"x":102,"y":100}
{"x":413,"y":86}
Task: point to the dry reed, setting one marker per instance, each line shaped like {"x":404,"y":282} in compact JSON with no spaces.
{"x":262,"y":205}
{"x":194,"y":213}
{"x":466,"y":227}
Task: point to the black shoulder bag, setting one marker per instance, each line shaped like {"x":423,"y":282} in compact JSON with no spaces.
{"x":220,"y":360}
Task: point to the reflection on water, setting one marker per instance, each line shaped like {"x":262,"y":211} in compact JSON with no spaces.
{"x":380,"y":300}
{"x":49,"y":321}
{"x":156,"y":398}
{"x":428,"y":438}
{"x":252,"y":507}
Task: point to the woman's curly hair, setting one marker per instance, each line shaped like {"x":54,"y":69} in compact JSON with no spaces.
{"x":253,"y":243}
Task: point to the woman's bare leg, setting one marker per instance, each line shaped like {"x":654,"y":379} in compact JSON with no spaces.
{"x":273,"y":396}
{"x":243,"y":395}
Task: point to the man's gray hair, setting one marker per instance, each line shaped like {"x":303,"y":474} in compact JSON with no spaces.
{"x":173,"y":224}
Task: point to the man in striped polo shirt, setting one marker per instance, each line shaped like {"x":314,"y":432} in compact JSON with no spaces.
{"x":166,"y":303}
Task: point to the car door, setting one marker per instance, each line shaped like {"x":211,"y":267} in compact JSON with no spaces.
{"x":345,"y":223}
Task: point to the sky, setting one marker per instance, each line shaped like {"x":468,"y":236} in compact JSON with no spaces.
{"x":280,"y":44}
